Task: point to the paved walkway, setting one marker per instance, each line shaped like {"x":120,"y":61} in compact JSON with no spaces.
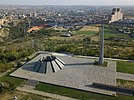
{"x":78,"y":73}
{"x":125,"y":76}
{"x":112,"y":68}
{"x":28,"y":89}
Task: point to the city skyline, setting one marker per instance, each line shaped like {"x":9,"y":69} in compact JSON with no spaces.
{"x":67,"y":2}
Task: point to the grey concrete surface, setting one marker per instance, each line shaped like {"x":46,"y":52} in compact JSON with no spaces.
{"x":125,"y":76}
{"x":78,"y":73}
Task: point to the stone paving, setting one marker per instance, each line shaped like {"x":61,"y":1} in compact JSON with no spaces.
{"x":125,"y":76}
{"x":78,"y":73}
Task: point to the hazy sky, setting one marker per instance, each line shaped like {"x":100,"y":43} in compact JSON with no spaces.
{"x":67,"y":2}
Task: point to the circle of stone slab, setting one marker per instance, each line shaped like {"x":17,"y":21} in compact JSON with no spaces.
{"x":50,"y":64}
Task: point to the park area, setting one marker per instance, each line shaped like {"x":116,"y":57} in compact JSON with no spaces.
{"x":125,"y":67}
{"x":88,"y":30}
{"x":11,"y":83}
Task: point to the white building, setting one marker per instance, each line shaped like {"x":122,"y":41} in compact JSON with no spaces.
{"x":116,"y":15}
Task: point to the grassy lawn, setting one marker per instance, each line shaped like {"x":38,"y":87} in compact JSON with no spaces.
{"x":118,"y":35}
{"x":125,"y":83}
{"x":110,"y":33}
{"x":103,"y":65}
{"x":86,"y":32}
{"x":93,"y":28}
{"x":22,"y":96}
{"x":125,"y":67}
{"x":108,"y":30}
{"x":82,"y":95}
{"x":34,"y":97}
{"x":12,"y":80}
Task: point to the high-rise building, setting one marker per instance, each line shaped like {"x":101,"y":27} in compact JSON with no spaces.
{"x":116,"y":15}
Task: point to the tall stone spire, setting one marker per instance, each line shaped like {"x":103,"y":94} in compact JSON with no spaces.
{"x":101,"y":54}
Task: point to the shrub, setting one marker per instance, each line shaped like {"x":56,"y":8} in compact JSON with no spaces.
{"x":19,"y":64}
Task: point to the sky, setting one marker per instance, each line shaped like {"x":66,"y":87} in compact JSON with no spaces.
{"x":67,"y":2}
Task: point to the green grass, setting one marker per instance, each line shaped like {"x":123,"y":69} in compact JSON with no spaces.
{"x":33,"y":97}
{"x":12,"y":80}
{"x":125,"y":67}
{"x":110,"y":33}
{"x":125,"y":83}
{"x":108,"y":30}
{"x":5,"y":66}
{"x":86,"y":32}
{"x":125,"y":36}
{"x":82,"y":95}
{"x":103,"y":65}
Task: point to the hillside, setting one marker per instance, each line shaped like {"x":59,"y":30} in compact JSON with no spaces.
{"x":4,"y":32}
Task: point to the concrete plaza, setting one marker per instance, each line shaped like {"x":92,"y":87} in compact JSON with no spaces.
{"x":78,"y":73}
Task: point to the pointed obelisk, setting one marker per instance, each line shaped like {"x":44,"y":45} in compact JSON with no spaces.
{"x":101,"y":55}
